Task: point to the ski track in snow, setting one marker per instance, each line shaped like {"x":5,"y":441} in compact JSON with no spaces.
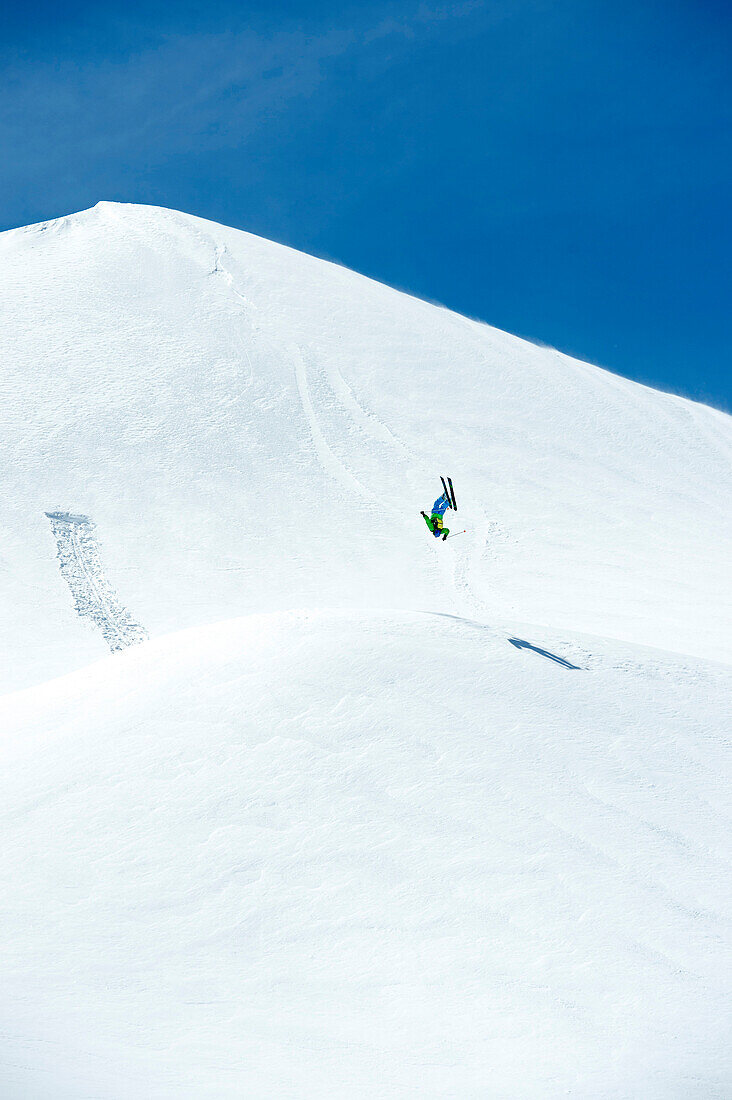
{"x":366,"y":420}
{"x":94,"y":597}
{"x":461,"y":570}
{"x":327,"y":457}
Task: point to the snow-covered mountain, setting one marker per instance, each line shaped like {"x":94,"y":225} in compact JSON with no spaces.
{"x":347,"y":811}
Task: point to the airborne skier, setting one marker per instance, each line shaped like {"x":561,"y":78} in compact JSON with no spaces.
{"x":435,"y":521}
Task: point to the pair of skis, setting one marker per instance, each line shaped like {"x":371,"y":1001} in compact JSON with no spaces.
{"x":449,"y":493}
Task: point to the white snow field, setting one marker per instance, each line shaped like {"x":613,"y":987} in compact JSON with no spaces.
{"x":347,"y":811}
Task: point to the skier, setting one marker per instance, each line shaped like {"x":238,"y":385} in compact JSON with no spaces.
{"x":434,"y":521}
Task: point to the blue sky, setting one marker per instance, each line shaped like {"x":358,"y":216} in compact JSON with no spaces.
{"x":559,"y":168}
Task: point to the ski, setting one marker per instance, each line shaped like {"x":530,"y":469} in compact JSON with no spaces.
{"x":444,"y":486}
{"x":451,"y":494}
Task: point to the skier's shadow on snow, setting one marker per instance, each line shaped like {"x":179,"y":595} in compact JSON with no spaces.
{"x":542,"y":652}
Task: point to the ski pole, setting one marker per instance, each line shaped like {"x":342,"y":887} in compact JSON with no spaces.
{"x":454,"y":535}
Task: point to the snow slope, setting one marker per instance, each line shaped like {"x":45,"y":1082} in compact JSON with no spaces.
{"x":367,"y":814}
{"x":251,"y":429}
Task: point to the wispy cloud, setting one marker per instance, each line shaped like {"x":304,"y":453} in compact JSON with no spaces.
{"x":190,"y":92}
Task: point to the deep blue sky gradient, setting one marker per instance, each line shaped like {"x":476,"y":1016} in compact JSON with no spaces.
{"x":559,"y":168}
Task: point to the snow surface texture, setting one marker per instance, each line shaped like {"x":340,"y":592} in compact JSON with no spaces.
{"x":458,"y":828}
{"x":81,"y":568}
